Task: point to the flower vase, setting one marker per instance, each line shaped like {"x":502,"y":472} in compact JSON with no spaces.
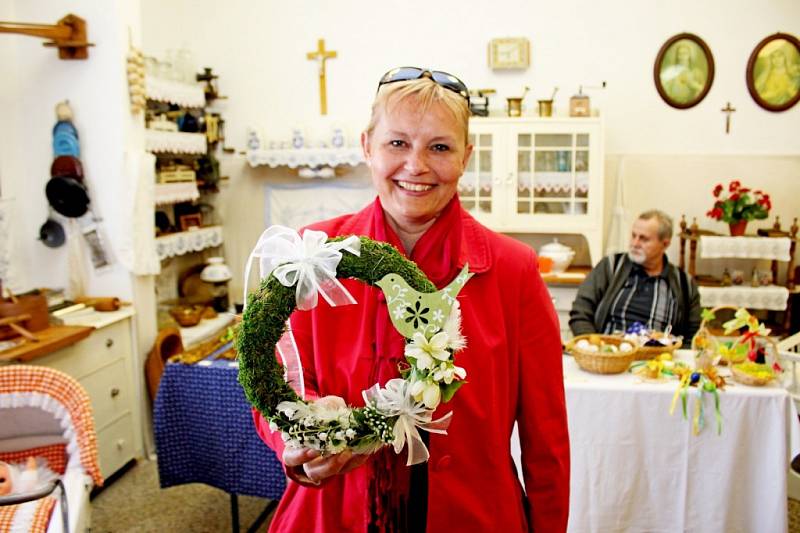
{"x":738,"y":228}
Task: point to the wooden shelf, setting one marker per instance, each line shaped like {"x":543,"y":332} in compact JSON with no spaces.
{"x":572,"y":276}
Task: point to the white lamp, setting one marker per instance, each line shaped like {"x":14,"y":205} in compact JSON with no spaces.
{"x":217,"y":273}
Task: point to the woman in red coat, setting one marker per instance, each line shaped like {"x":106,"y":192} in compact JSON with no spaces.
{"x":416,"y":146}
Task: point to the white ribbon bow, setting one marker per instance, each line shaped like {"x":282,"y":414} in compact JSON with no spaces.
{"x":309,"y":262}
{"x":395,"y":400}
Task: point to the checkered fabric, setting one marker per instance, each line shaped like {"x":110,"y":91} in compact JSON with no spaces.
{"x":35,"y":514}
{"x":20,"y":382}
{"x":54,"y":454}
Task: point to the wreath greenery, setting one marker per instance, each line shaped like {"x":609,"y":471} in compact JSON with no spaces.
{"x":333,"y":426}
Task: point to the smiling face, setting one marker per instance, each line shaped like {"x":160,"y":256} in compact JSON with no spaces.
{"x":416,"y":159}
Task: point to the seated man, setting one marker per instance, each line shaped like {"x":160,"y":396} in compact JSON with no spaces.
{"x":640,"y":286}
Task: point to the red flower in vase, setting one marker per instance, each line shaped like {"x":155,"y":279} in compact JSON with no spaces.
{"x":740,"y":203}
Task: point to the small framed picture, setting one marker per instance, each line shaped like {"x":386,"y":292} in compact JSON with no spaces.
{"x":194,"y":220}
{"x":773,"y":72}
{"x":684,"y":70}
{"x":509,"y":53}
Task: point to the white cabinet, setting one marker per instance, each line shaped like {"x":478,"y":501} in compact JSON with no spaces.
{"x":537,"y":175}
{"x":104,"y":364}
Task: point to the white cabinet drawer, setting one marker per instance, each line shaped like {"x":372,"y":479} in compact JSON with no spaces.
{"x":110,"y":392}
{"x":92,"y":353}
{"x":563,"y":297}
{"x":116,"y":445}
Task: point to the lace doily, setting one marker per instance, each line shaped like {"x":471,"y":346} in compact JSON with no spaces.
{"x":188,"y":241}
{"x":772,"y":297}
{"x":175,"y":142}
{"x":172,"y":193}
{"x":306,"y":157}
{"x":174,"y":92}
{"x":715,"y":247}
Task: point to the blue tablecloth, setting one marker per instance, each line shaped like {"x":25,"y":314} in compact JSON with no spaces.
{"x":205,"y":434}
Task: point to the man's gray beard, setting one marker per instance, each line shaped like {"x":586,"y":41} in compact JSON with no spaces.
{"x":636,"y":258}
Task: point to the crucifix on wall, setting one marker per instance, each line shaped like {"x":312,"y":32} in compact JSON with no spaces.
{"x":728,"y":110}
{"x":320,"y":56}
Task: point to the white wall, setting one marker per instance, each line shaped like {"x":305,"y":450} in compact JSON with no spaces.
{"x":35,"y":81}
{"x":259,"y":49}
{"x":672,"y":158}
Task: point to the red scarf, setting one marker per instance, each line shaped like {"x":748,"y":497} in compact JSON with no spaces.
{"x":436,"y":253}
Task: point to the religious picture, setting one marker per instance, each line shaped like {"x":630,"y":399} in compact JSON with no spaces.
{"x":684,"y":71}
{"x":773,"y":72}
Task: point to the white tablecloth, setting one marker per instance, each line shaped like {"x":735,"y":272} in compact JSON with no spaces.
{"x":635,"y":468}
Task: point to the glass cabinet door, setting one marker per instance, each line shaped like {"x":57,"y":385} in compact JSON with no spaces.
{"x":552,"y":173}
{"x":475,"y":188}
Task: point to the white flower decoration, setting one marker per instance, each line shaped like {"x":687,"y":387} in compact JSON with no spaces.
{"x":294,"y":410}
{"x":438,"y":316}
{"x":427,"y":392}
{"x":399,"y":312}
{"x":449,"y":372}
{"x":331,"y":409}
{"x":425,"y":351}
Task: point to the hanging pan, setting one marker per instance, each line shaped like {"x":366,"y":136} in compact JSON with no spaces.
{"x":52,"y":233}
{"x":67,"y":166}
{"x":68,"y":196}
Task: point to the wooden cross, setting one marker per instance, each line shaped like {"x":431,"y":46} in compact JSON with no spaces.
{"x":728,"y":109}
{"x":320,"y":55}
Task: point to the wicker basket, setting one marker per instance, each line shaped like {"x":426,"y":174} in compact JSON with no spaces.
{"x":649,"y":352}
{"x":748,"y":379}
{"x":602,"y":362}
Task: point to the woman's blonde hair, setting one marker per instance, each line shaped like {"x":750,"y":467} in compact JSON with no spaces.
{"x":426,"y":92}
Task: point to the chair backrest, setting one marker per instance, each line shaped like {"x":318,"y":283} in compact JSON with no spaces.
{"x":167,"y":343}
{"x":41,"y":404}
{"x":790,"y":343}
{"x":789,"y":352}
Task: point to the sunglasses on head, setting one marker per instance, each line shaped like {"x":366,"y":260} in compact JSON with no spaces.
{"x":448,"y":81}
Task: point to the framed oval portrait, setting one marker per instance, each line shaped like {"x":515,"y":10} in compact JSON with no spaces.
{"x":684,"y":70}
{"x":773,"y":72}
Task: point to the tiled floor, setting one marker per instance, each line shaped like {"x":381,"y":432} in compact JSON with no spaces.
{"x":135,"y":503}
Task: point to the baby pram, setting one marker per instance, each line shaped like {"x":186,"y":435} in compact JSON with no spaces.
{"x":46,"y":413}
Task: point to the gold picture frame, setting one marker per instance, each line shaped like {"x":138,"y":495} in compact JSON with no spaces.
{"x":509,"y":53}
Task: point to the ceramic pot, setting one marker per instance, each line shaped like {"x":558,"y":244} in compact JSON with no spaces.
{"x":738,"y":228}
{"x":560,"y":254}
{"x":216,"y":271}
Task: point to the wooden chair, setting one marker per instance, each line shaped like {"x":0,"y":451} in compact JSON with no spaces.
{"x":168,"y":343}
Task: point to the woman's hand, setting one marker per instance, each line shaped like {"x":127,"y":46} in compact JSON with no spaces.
{"x":309,"y":468}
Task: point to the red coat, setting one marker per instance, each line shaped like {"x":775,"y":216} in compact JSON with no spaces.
{"x":513,"y":364}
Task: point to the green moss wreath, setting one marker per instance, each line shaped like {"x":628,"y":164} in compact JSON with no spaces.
{"x":332,"y":426}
